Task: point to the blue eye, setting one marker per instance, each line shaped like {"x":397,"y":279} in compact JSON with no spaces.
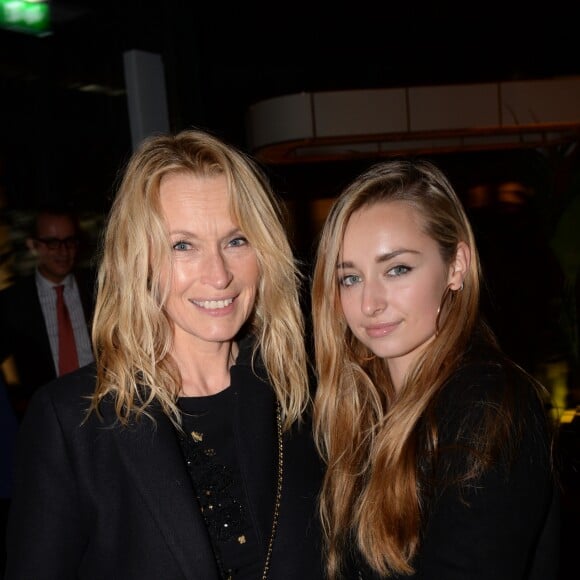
{"x":181,"y":246}
{"x":399,"y":270}
{"x":236,"y":242}
{"x":348,"y":281}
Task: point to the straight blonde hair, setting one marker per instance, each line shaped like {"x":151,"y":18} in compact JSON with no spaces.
{"x":368,"y":436}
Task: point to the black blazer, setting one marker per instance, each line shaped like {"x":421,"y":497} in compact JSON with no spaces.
{"x":95,"y":500}
{"x":505,"y":525}
{"x":24,"y":333}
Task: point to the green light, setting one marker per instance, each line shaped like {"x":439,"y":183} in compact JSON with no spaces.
{"x":28,"y":16}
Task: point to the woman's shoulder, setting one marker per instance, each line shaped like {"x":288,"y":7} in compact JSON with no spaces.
{"x":476,"y":378}
{"x":81,"y":381}
{"x":491,"y":406}
{"x":68,"y":397}
{"x":486,"y":383}
{"x":489,"y":374}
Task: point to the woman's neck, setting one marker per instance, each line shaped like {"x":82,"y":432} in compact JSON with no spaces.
{"x":205,"y":372}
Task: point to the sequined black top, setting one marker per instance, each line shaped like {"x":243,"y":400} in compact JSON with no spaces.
{"x":210,"y":452}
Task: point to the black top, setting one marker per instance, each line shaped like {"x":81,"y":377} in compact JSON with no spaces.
{"x":505,"y":524}
{"x":211,"y":457}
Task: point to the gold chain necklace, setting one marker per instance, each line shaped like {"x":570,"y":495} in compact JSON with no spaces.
{"x":278,"y":500}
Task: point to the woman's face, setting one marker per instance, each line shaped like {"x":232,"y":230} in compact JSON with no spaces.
{"x":391,"y":279}
{"x":214,"y":274}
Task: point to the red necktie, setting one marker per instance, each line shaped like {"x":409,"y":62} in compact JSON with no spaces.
{"x":67,"y":350}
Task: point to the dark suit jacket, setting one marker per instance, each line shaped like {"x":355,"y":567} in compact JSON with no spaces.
{"x":24,"y":333}
{"x":95,"y":500}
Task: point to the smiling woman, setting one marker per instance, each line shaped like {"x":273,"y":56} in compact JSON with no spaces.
{"x":438,"y":447}
{"x":392,"y":278}
{"x":210,"y":283}
{"x":186,"y":450}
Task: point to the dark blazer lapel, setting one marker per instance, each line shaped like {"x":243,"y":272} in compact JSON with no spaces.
{"x":297,"y":549}
{"x":155,"y":462}
{"x":29,"y":309}
{"x":256,"y":438}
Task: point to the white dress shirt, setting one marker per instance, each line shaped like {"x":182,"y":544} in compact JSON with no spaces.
{"x":72,"y":299}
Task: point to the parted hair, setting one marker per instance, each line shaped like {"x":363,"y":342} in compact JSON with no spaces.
{"x":132,"y":334}
{"x":368,"y":435}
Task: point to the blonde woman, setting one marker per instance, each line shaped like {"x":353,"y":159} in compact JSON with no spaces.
{"x":184,"y":452}
{"x":438,"y":448}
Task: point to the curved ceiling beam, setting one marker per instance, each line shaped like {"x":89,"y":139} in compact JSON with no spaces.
{"x":311,"y":127}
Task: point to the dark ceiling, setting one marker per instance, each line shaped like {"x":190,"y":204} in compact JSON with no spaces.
{"x":65,"y":129}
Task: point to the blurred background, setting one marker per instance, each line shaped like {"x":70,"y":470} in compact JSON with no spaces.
{"x":489,"y":91}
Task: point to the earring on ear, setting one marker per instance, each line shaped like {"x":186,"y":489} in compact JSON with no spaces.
{"x":460,"y":287}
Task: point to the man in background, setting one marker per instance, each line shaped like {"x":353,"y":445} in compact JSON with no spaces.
{"x":29,"y":318}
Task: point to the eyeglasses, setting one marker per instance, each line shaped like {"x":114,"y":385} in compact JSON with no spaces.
{"x":69,"y":243}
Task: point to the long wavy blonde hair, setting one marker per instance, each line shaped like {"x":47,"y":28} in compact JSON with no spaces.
{"x":367,"y":435}
{"x":132,"y":334}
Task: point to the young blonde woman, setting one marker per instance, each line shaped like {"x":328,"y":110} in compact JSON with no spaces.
{"x":182,"y":453}
{"x":438,"y":448}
